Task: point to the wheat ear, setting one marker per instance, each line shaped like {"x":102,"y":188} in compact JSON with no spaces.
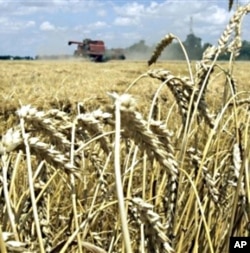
{"x":135,"y":127}
{"x":183,"y":89}
{"x":158,"y":241}
{"x":160,"y":47}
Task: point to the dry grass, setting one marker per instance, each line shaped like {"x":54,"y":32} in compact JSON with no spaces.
{"x":90,"y":168}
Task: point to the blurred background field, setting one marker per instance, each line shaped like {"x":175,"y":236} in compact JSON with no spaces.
{"x":47,"y":84}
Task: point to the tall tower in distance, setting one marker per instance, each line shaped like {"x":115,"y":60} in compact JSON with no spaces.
{"x":191,"y":26}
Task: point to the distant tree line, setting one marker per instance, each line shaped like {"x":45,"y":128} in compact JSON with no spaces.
{"x":193,"y":46}
{"x":10,"y":57}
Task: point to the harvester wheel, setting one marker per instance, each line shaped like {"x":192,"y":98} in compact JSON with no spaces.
{"x":122,"y":57}
{"x":99,"y":58}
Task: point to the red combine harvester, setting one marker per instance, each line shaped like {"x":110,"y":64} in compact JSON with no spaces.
{"x":96,"y":51}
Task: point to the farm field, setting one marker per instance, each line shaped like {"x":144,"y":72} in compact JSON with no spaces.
{"x":32,"y":81}
{"x":64,"y":84}
{"x":173,"y":176}
{"x":47,"y":84}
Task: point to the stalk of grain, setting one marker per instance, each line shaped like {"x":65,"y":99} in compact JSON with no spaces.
{"x":118,"y":180}
{"x":31,"y":184}
{"x":170,"y":193}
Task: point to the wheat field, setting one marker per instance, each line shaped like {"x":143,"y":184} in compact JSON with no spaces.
{"x":125,"y":157}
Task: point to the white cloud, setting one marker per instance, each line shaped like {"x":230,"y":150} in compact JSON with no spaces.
{"x":3,"y":21}
{"x":101,"y":13}
{"x":154,"y":7}
{"x":130,"y":9}
{"x":213,"y":15}
{"x":147,"y":9}
{"x":97,"y":25}
{"x":218,"y":16}
{"x":28,"y":7}
{"x":47,"y":26}
{"x":62,"y":28}
{"x":81,"y":30}
{"x":209,"y":18}
{"x":130,"y":35}
{"x":82,"y":6}
{"x":30,"y":23}
{"x":14,"y":26}
{"x":86,"y":29}
{"x":126,"y":21}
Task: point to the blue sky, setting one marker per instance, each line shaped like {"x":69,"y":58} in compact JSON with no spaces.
{"x":30,"y":27}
